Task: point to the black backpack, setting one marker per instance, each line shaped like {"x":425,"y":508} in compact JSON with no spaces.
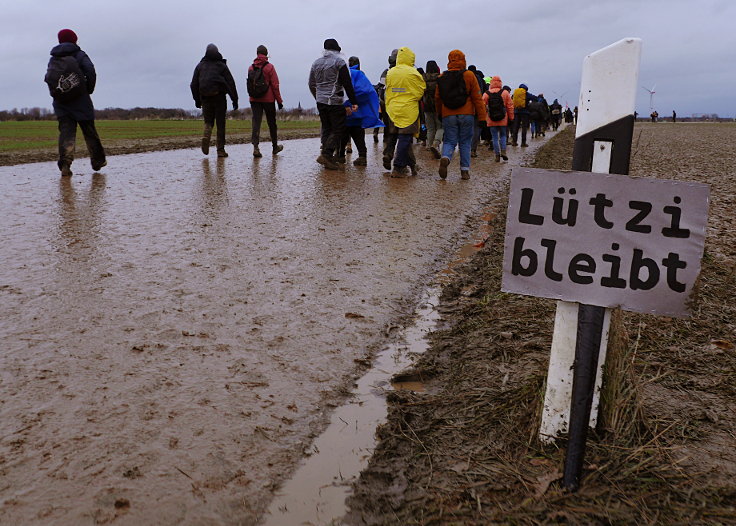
{"x":452,"y":88}
{"x":496,"y":106}
{"x":256,"y":83}
{"x":65,"y":79}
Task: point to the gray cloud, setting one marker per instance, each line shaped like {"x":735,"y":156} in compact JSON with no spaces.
{"x":145,"y":51}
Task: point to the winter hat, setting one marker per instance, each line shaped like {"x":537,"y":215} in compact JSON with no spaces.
{"x":67,"y":35}
{"x":471,"y":67}
{"x":332,"y":44}
{"x":354,"y":61}
{"x":523,"y":86}
{"x":262,"y":50}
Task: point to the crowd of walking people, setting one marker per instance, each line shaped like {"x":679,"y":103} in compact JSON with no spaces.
{"x":458,"y":109}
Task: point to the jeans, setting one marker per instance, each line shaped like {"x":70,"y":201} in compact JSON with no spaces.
{"x":498,"y":136}
{"x":458,"y":131}
{"x":332,"y":118}
{"x":259,"y":108}
{"x":214,"y":110}
{"x":403,"y":151}
{"x":434,"y":127}
{"x":68,"y":138}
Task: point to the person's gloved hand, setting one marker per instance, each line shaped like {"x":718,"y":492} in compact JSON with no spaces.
{"x":281,"y":105}
{"x":197,"y":104}
{"x":235,"y":105}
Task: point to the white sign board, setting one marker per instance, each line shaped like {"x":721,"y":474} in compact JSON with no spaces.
{"x":605,"y":239}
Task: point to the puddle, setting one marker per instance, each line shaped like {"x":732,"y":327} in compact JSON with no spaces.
{"x":316,"y":494}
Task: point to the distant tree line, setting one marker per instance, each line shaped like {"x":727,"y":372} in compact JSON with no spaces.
{"x":45,"y":114}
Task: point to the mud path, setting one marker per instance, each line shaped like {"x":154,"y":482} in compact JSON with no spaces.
{"x":175,"y":329}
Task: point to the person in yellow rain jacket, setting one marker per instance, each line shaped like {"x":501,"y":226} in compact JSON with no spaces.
{"x":404,"y":89}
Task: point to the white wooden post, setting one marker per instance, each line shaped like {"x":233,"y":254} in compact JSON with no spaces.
{"x":607,"y":95}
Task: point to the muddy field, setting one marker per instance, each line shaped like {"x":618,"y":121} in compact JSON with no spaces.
{"x":126,"y":146}
{"x":465,"y":452}
{"x":176,"y":329}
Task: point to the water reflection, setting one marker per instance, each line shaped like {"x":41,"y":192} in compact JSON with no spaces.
{"x":79,"y":219}
{"x":214,"y":193}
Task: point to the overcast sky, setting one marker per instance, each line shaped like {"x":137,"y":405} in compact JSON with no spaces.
{"x":145,"y":51}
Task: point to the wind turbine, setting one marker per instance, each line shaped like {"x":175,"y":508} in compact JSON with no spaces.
{"x":651,"y":96}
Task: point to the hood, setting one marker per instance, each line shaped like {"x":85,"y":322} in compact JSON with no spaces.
{"x":260,"y":61}
{"x":212,"y":53}
{"x":456,"y":60}
{"x":62,"y":50}
{"x":523,"y":86}
{"x":432,"y":67}
{"x":405,"y":57}
{"x":496,"y":82}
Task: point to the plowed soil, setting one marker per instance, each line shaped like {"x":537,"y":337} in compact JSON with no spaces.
{"x":465,"y":451}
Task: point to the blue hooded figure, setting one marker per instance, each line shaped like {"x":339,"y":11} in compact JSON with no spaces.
{"x":367,"y":114}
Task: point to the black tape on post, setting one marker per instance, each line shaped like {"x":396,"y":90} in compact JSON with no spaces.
{"x":605,"y":124}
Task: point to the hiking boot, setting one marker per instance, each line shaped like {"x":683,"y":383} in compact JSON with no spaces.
{"x":360,"y":161}
{"x":415,"y":170}
{"x":514,"y":143}
{"x":328,"y":162}
{"x":524,"y":145}
{"x":498,"y":158}
{"x":221,"y":153}
{"x":387,"y":162}
{"x":504,"y":156}
{"x":444,"y":162}
{"x":257,"y":152}
{"x":66,"y":170}
{"x":206,"y":145}
{"x":435,"y":152}
{"x":340,"y":159}
{"x":399,"y":172}
{"x":277,"y":148}
{"x":465,"y":174}
{"x":473,"y":153}
{"x":98,"y":166}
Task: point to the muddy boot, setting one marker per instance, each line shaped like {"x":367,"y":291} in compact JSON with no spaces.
{"x":524,"y":145}
{"x":257,"y":152}
{"x":465,"y":174}
{"x":387,"y":162}
{"x":340,"y":159}
{"x":399,"y":171}
{"x":328,"y":162}
{"x":277,"y":148}
{"x":435,"y":149}
{"x":360,"y":161}
{"x":415,"y":170}
{"x":514,"y":143}
{"x":66,"y":170}
{"x":498,"y":158}
{"x":206,"y":139}
{"x":221,"y":152}
{"x":504,"y":156}
{"x":473,"y":153}
{"x":97,"y":166}
{"x":444,"y":163}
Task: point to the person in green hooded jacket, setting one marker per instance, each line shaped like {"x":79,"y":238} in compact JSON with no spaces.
{"x":404,"y":89}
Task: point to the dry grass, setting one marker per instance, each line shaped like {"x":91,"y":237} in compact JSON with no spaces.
{"x":466,"y":452}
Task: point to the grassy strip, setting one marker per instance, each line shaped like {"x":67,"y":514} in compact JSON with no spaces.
{"x":29,"y":135}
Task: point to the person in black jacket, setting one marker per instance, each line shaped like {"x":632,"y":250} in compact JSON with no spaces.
{"x":79,"y":110}
{"x":211,"y":82}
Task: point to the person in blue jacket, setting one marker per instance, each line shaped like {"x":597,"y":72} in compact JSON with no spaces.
{"x":365,"y":117}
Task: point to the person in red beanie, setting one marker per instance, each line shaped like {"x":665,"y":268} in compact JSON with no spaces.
{"x":71,"y":79}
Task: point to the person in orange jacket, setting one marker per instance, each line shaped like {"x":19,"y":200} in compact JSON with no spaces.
{"x":458,"y":100}
{"x":498,"y":127}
